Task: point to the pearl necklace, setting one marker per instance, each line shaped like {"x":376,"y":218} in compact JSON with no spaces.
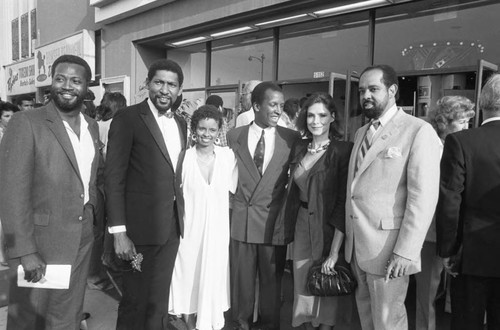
{"x":319,"y":149}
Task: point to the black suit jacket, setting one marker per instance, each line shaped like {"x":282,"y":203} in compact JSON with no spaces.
{"x":142,"y":189}
{"x":468,"y":211}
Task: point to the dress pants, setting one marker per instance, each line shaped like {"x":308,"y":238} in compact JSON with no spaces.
{"x":246,"y":260}
{"x":38,"y":309}
{"x":381,"y":305}
{"x":472,"y":297}
{"x":144,"y":305}
{"x":427,"y":285}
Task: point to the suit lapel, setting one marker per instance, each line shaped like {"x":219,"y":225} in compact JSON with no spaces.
{"x":55,"y":124}
{"x":182,"y":125}
{"x":280,"y":152}
{"x":154,"y":129}
{"x":382,"y":140}
{"x":241,"y":150}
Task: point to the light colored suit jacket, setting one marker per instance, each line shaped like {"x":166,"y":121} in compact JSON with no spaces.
{"x":258,"y":200}
{"x":392,"y":198}
{"x":41,"y":195}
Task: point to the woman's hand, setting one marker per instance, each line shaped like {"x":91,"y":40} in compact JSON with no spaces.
{"x":329,"y":264}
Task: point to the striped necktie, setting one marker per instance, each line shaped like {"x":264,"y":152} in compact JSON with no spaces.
{"x":366,"y":144}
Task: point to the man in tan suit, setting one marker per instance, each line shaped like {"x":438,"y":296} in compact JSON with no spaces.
{"x":392,"y":191}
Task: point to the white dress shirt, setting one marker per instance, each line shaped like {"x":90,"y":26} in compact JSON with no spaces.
{"x":84,"y":152}
{"x":254,"y":134}
{"x":384,"y":120}
{"x":170,"y":132}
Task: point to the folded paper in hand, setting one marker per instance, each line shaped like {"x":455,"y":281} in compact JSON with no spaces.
{"x":56,"y":277}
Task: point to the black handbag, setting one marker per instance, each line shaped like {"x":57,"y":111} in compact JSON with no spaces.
{"x":341,"y":284}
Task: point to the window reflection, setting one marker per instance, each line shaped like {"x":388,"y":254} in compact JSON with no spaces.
{"x":192,"y":60}
{"x":334,"y":44}
{"x":241,"y":58}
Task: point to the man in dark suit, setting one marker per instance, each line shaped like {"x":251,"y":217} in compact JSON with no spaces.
{"x":144,"y":203}
{"x":49,"y":161}
{"x":263,"y":154}
{"x":468,"y":216}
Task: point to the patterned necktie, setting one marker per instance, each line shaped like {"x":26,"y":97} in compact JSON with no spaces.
{"x":367,"y":141}
{"x":258,"y":156}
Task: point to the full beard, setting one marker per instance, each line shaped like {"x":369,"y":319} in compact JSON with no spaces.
{"x":374,"y":112}
{"x":66,"y":105}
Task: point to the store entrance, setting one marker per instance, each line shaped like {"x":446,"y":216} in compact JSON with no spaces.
{"x":420,"y":91}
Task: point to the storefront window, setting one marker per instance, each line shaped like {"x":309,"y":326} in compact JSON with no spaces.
{"x":335,"y":44}
{"x":192,"y":60}
{"x":241,"y":58}
{"x":420,"y":36}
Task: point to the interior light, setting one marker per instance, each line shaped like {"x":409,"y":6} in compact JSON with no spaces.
{"x":353,"y":6}
{"x":281,"y":19}
{"x":188,"y":41}
{"x":223,"y":33}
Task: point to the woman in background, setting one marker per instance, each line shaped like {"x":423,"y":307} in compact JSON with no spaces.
{"x":451,"y":114}
{"x":200,"y":282}
{"x":315,"y":205}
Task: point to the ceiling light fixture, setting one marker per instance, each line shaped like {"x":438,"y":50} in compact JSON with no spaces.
{"x":281,"y":19}
{"x":353,"y":6}
{"x":188,"y":41}
{"x":238,"y":30}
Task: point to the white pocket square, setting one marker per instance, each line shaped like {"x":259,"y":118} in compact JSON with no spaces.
{"x":393,"y":152}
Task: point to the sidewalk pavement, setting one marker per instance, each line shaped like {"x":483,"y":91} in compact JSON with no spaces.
{"x":103,"y":309}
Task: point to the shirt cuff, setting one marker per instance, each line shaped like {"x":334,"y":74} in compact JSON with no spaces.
{"x":117,"y":229}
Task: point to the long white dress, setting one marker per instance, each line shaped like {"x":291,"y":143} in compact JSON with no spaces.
{"x":200,"y":281}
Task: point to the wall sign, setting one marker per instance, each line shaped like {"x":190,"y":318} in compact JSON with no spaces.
{"x":20,"y":77}
{"x":81,"y":44}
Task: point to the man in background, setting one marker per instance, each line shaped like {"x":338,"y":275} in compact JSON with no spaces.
{"x":468,"y":216}
{"x":25,"y":102}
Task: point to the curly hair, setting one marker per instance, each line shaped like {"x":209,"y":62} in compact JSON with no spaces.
{"x":336,"y":131}
{"x":205,"y":112}
{"x":449,"y":109}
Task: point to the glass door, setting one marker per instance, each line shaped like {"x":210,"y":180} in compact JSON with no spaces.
{"x":484,"y":71}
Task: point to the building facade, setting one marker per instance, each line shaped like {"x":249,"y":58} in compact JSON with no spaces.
{"x":438,"y":47}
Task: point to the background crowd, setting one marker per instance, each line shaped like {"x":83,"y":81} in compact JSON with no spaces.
{"x":197,"y":217}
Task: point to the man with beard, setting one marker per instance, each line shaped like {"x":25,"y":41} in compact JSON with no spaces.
{"x":144,"y":202}
{"x":392,"y":191}
{"x":49,"y":161}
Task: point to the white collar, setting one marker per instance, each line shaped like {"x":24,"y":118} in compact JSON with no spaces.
{"x":387,"y":116}
{"x":154,"y":110}
{"x":490,"y":120}
{"x":257,"y":129}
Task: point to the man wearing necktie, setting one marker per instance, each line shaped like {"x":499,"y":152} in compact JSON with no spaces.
{"x":262,"y":151}
{"x":392,"y":192}
{"x":144,"y":203}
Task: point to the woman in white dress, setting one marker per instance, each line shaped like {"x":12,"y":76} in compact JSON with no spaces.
{"x":200,"y":282}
